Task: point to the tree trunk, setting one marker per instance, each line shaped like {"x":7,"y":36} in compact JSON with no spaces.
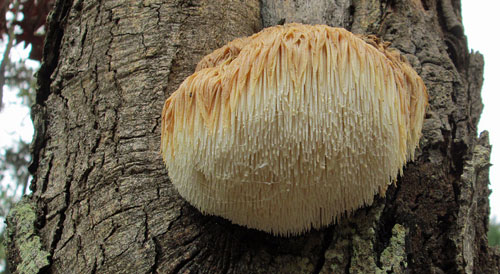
{"x":101,"y":193}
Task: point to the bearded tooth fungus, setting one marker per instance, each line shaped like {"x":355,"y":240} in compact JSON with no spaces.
{"x":293,"y":127}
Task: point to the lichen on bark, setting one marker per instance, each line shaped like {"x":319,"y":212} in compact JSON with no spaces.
{"x":354,"y":247}
{"x":23,"y":239}
{"x":393,"y":259}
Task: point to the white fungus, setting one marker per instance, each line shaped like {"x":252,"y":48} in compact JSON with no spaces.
{"x":293,"y":127}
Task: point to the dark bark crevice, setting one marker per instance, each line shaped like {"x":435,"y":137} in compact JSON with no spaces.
{"x":388,"y":218}
{"x":326,"y":242}
{"x":56,"y":24}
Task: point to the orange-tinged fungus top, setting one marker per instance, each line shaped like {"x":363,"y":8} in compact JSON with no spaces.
{"x":293,"y":127}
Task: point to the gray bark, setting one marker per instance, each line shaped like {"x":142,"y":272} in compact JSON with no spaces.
{"x":101,"y":192}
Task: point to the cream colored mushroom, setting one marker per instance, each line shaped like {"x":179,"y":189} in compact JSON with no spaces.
{"x":293,"y":127}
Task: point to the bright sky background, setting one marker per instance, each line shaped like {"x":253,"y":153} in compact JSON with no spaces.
{"x":480,"y":23}
{"x":15,"y":117}
{"x":480,"y":20}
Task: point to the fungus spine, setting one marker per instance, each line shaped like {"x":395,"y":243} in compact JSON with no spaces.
{"x":292,"y":127}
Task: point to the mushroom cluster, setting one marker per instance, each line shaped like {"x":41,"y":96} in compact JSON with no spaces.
{"x":292,"y":127}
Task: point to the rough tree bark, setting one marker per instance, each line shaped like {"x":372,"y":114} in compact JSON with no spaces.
{"x":103,"y":200}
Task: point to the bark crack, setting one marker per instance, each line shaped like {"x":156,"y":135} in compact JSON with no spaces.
{"x":62,"y":217}
{"x":158,"y":253}
{"x":327,"y":241}
{"x":56,"y":23}
{"x":146,"y":227}
{"x":55,"y":32}
{"x":350,"y":254}
{"x":82,"y":41}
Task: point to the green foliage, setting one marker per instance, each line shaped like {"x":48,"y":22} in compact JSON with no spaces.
{"x":494,"y":233}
